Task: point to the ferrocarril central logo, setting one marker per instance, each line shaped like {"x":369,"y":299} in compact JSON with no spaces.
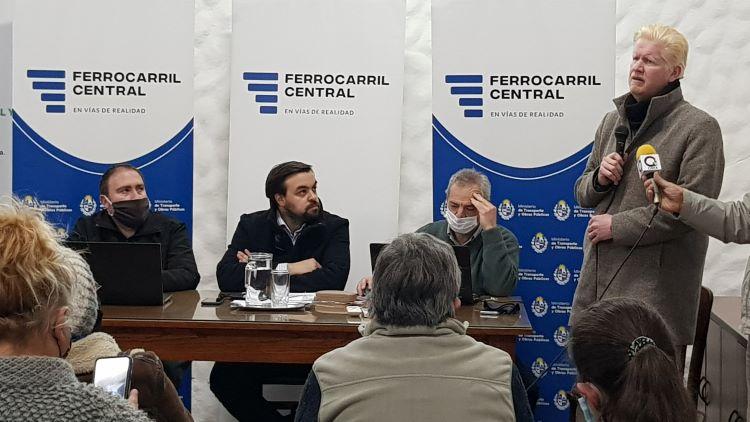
{"x":284,"y":93}
{"x":56,"y":89}
{"x":51,"y":84}
{"x":477,"y":91}
{"x":469,"y":88}
{"x":266,"y":86}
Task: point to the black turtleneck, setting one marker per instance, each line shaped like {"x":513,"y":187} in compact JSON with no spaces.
{"x":637,"y":110}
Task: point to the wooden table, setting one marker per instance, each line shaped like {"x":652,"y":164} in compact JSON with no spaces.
{"x":184,"y":330}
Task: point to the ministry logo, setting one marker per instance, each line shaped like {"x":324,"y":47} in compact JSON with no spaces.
{"x":561,"y":336}
{"x":51,"y":84}
{"x":506,"y":210}
{"x":265,"y":87}
{"x":469,"y":89}
{"x":538,"y":367}
{"x":561,"y":400}
{"x":561,"y":275}
{"x":88,"y":206}
{"x":539,"y":307}
{"x":30,"y":202}
{"x":561,"y":210}
{"x":539,"y":243}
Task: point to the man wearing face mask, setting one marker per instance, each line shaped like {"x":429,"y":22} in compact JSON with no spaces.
{"x":471,"y":221}
{"x":126,"y":217}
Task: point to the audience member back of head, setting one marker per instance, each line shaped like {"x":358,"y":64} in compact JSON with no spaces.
{"x":625,"y":358}
{"x":36,"y":383}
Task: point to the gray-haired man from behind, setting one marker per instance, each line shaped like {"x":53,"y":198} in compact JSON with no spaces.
{"x":415,"y":361}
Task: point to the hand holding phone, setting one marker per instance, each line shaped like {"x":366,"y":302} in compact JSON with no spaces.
{"x":113,"y":375}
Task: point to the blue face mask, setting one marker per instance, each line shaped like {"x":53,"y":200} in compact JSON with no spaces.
{"x":584,"y":405}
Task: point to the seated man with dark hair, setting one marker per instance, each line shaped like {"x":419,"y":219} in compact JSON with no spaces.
{"x":311,"y":243}
{"x":127,"y":218}
{"x":415,"y":362}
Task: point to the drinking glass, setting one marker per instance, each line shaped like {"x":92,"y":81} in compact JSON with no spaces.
{"x":279,"y":288}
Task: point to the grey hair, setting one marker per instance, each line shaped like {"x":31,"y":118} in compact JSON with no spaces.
{"x":415,"y":281}
{"x":466,"y":177}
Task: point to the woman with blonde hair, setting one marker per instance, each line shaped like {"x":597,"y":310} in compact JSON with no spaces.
{"x":36,"y":281}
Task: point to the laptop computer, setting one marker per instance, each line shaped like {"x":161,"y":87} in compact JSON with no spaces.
{"x":463,"y":257}
{"x":129,"y":273}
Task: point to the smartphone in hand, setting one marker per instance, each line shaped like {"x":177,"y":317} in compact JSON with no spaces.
{"x":113,"y":375}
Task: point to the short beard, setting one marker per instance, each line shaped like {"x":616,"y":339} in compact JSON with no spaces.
{"x":310,"y":217}
{"x":307,"y":217}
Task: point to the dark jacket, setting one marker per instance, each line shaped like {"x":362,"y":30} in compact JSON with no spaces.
{"x":157,"y":396}
{"x":326,"y":240}
{"x":179,"y":271}
{"x":494,"y":258}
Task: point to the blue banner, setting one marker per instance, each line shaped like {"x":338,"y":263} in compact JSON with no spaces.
{"x":538,"y":206}
{"x":68,"y":187}
{"x":522,"y":106}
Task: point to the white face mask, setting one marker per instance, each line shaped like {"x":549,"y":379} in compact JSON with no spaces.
{"x":460,"y":225}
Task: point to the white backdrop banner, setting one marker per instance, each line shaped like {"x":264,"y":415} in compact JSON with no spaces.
{"x":519,"y":88}
{"x":97,"y":82}
{"x":326,"y":89}
{"x":6,"y":71}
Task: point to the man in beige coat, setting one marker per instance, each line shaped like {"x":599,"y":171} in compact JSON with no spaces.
{"x":666,"y":267}
{"x":726,"y":221}
{"x":414,"y":362}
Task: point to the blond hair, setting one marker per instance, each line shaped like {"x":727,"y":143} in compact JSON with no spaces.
{"x":35,"y":278}
{"x":674,"y":43}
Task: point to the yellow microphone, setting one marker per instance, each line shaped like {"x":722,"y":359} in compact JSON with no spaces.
{"x":648,"y":163}
{"x":644,"y":149}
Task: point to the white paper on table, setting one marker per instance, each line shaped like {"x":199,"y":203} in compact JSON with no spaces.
{"x":294,"y":299}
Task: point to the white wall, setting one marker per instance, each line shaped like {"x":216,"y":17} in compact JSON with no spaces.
{"x":717,"y":80}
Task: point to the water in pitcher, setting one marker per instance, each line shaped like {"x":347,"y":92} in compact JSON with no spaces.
{"x":258,"y":276}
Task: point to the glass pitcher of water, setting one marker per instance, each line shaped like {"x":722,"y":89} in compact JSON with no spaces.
{"x":258,"y":276}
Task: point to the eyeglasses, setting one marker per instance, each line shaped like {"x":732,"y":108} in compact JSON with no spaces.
{"x":502,"y":308}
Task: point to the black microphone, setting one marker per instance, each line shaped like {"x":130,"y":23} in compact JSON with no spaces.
{"x":621,"y":135}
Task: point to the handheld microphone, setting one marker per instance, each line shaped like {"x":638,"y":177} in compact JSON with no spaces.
{"x":648,"y":164}
{"x":621,"y":135}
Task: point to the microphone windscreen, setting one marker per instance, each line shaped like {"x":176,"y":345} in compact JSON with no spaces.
{"x":621,"y":132}
{"x":644,"y":149}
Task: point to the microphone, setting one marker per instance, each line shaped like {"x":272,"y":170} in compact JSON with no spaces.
{"x":621,"y":134}
{"x":648,"y":164}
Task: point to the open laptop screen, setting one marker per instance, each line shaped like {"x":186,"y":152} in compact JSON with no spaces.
{"x":129,"y":273}
{"x":464,"y":264}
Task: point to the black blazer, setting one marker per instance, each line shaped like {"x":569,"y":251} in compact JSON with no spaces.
{"x":326,"y":240}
